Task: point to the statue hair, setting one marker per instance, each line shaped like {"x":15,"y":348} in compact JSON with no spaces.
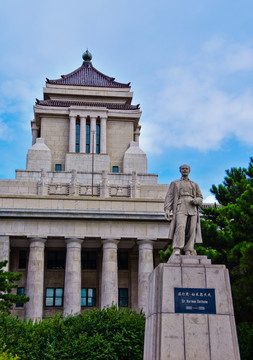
{"x":184,"y":166}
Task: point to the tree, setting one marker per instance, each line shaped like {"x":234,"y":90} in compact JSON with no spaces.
{"x":7,"y":279}
{"x":229,"y":231}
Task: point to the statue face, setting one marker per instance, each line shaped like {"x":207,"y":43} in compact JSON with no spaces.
{"x":185,"y":170}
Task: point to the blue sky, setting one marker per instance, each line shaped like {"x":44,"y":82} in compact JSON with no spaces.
{"x":190,"y":63}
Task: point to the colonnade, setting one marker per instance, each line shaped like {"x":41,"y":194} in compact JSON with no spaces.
{"x":83,"y":121}
{"x":72,"y":286}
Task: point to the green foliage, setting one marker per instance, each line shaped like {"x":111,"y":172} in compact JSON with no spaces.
{"x":245,"y":336}
{"x":107,"y":334}
{"x":7,"y":279}
{"x":228,"y":230}
{"x":164,"y":255}
{"x":6,"y":355}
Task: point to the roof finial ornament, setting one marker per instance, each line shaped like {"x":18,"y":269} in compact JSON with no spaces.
{"x":87,"y":57}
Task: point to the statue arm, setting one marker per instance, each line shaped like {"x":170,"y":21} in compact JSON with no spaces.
{"x":198,"y":200}
{"x":169,"y":200}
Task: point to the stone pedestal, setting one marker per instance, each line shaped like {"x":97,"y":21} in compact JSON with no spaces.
{"x":35,"y":279}
{"x":72,"y":287}
{"x":190,"y":312}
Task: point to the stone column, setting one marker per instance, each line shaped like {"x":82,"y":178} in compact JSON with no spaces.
{"x":72,"y":286}
{"x":103,"y":136}
{"x":35,"y":279}
{"x":134,"y":186}
{"x":83,"y":135}
{"x":109,"y":288}
{"x":92,"y":135}
{"x":137,"y":134}
{"x":35,"y":132}
{"x":104,"y":185}
{"x":72,"y":134}
{"x":146,"y":266}
{"x":5,"y":250}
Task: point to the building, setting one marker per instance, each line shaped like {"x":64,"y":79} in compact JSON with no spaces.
{"x":84,"y":221}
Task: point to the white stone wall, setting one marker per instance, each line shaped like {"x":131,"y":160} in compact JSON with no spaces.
{"x":119,"y":135}
{"x":83,"y":162}
{"x":135,"y":159}
{"x":39,"y":156}
{"x":55,"y":131}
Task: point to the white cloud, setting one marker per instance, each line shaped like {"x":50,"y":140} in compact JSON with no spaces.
{"x":201,"y":104}
{"x":17,"y":96}
{"x":210,"y":200}
{"x":4,"y":131}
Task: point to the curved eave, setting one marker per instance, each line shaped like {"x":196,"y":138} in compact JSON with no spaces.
{"x":87,"y":75}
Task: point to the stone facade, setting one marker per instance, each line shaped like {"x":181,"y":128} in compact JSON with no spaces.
{"x":84,"y":221}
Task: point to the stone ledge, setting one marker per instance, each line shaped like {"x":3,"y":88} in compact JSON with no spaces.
{"x":92,"y":214}
{"x":189,"y":260}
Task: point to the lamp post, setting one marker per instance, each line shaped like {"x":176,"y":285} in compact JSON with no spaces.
{"x":92,"y":160}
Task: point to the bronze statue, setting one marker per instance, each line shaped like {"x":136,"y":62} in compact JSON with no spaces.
{"x":183,"y":199}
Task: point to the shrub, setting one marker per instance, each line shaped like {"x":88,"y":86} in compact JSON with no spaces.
{"x":108,"y":334}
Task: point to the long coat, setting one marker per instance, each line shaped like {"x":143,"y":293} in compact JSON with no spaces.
{"x":172,"y":202}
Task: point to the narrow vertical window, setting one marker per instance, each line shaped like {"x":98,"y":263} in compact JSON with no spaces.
{"x":57,"y":167}
{"x":22,"y":259}
{"x":123,"y":297}
{"x":77,"y":136}
{"x":87,"y":138}
{"x":88,"y":297}
{"x":98,"y":138}
{"x":20,"y":291}
{"x":122,"y":260}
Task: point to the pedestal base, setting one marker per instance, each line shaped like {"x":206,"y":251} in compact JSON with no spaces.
{"x":193,"y":332}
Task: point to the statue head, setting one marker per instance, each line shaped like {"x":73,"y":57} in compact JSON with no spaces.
{"x":185,"y":170}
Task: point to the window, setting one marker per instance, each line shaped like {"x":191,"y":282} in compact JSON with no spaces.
{"x":77,"y":136}
{"x":89,"y":260}
{"x":20,"y":291}
{"x":88,"y":297}
{"x":123,"y":297}
{"x":122,"y":260}
{"x":22,"y":259}
{"x":98,"y":138}
{"x":57,"y":167}
{"x":56,"y":259}
{"x":115,"y":169}
{"x":54,"y":297}
{"x":87,"y":138}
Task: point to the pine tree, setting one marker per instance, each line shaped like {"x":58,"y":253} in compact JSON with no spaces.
{"x":229,"y":230}
{"x":7,"y":279}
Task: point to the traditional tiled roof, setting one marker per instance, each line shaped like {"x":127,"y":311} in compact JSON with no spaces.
{"x":87,"y":75}
{"x":60,"y":103}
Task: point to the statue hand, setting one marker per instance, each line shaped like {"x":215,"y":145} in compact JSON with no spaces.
{"x":167,"y":215}
{"x":195,"y":201}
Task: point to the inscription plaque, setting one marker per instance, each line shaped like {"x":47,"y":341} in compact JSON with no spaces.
{"x":194,"y":300}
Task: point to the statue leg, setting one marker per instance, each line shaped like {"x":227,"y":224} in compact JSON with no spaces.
{"x":189,"y":246}
{"x":179,"y":236}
